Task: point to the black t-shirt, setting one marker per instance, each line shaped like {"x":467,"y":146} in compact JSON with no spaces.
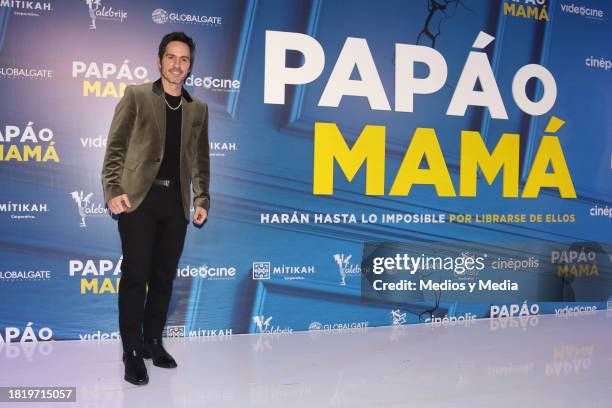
{"x":170,"y":165}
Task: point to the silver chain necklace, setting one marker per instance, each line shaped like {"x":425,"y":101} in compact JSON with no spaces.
{"x":167,"y":104}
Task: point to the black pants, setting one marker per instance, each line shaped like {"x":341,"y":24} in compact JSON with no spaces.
{"x":152,"y":238}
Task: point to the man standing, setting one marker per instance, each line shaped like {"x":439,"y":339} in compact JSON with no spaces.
{"x":157,"y":146}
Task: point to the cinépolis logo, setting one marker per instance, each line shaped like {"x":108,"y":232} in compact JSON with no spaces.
{"x":28,"y":143}
{"x":476,"y":87}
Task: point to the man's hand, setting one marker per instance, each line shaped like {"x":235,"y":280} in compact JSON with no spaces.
{"x":199,"y":216}
{"x":119,"y":204}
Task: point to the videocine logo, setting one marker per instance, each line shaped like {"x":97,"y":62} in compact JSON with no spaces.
{"x":592,"y":13}
{"x":94,"y":142}
{"x":214,"y":84}
{"x":207,"y":272}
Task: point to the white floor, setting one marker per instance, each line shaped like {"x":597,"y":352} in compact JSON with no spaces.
{"x":537,"y":361}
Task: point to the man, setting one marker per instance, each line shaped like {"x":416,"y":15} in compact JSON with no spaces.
{"x":157,"y":146}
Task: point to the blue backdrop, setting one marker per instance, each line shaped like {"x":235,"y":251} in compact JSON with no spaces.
{"x":64,"y":64}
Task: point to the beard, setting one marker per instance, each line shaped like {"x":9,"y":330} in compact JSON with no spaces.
{"x":170,"y":77}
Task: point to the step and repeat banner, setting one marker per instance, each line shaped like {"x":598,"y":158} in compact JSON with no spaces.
{"x":372,"y":163}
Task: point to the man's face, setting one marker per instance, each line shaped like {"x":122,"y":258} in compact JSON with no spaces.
{"x":175,"y":62}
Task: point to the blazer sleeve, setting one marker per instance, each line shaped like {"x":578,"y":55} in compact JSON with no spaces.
{"x":200,"y":173}
{"x":116,"y":145}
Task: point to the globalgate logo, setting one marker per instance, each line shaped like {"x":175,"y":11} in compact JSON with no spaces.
{"x":338,"y":326}
{"x":25,"y":275}
{"x":207,"y":272}
{"x":28,"y":334}
{"x":13,"y":72}
{"x":161,"y":16}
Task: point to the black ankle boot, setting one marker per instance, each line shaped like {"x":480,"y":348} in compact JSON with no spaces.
{"x":161,"y":358}
{"x":135,"y":370}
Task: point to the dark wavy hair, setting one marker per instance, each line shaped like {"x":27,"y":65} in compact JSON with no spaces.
{"x":177,"y":36}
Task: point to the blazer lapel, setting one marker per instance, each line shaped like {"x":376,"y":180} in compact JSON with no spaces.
{"x":159,"y":107}
{"x":186,"y":123}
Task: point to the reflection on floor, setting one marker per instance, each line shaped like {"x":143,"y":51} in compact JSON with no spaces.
{"x":535,"y":361}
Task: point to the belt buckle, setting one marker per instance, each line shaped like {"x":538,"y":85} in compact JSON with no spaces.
{"x":163,"y":183}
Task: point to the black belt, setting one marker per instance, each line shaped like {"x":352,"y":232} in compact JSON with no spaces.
{"x":166,"y":183}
